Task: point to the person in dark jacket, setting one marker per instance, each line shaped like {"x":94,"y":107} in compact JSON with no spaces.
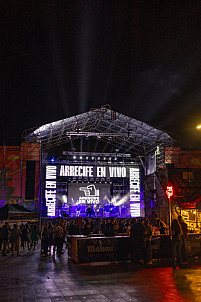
{"x":137,"y":233}
{"x":51,"y":236}
{"x":24,"y":237}
{"x":44,"y":241}
{"x":0,"y":238}
{"x":58,"y":238}
{"x":15,"y":239}
{"x":122,"y":228}
{"x":184,"y":238}
{"x":5,"y":235}
{"x":147,"y":239}
{"x":111,"y":227}
{"x":34,"y":236}
{"x":87,"y":228}
{"x":176,"y":242}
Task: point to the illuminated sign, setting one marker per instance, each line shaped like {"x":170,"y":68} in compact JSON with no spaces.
{"x":89,"y":191}
{"x":92,"y":171}
{"x":135,"y":210}
{"x":88,"y":194}
{"x":169,"y":191}
{"x":91,"y":195}
{"x":50,"y":189}
{"x":134,"y":182}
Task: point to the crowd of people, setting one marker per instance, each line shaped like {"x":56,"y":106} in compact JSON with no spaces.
{"x":140,"y":232}
{"x":53,"y":236}
{"x":11,"y":237}
{"x":26,"y":236}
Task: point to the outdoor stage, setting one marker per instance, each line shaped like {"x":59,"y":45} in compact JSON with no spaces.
{"x":93,"y":164}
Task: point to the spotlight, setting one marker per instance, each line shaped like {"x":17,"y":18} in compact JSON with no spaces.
{"x":87,"y":157}
{"x":52,"y":160}
{"x":92,"y":158}
{"x":99,"y":158}
{"x":80,"y":157}
{"x":74,"y":157}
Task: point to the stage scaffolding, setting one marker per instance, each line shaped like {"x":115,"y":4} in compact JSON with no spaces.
{"x":125,"y":133}
{"x":129,"y":141}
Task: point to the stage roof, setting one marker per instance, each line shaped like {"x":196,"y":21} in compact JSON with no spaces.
{"x":124,"y":133}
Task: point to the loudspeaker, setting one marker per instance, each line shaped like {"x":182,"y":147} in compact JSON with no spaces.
{"x":30,"y":179}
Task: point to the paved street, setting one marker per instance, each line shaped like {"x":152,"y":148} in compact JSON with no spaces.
{"x":34,"y":278}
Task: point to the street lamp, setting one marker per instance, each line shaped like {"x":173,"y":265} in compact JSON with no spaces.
{"x":198,"y":127}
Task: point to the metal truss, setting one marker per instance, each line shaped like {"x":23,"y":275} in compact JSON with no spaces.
{"x":125,"y":133}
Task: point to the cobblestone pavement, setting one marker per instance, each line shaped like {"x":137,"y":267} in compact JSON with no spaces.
{"x":30,"y":277}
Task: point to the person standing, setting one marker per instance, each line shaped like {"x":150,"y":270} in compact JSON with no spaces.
{"x":184,"y":238}
{"x":34,"y":236}
{"x":164,"y":240}
{"x":58,"y":237}
{"x":5,"y":235}
{"x":147,"y":239}
{"x":15,"y":239}
{"x":50,"y":238}
{"x":137,"y":233}
{"x":63,"y":225}
{"x":44,"y":243}
{"x":27,"y":227}
{"x":111,"y":227}
{"x":176,"y":243}
{"x":86,"y":229}
{"x":23,"y":236}
{"x":0,"y":238}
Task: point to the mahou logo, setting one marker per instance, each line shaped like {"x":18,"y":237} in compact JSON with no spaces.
{"x":99,"y":249}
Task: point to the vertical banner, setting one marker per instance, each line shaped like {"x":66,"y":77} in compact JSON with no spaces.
{"x":51,"y":190}
{"x":134,"y":181}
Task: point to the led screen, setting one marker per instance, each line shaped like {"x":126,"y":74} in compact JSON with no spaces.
{"x":88,"y":193}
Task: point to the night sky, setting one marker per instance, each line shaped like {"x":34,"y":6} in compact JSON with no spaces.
{"x":61,"y":58}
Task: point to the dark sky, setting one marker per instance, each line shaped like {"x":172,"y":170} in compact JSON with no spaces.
{"x":61,"y":58}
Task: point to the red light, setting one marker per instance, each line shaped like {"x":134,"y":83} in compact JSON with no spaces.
{"x":169,"y":191}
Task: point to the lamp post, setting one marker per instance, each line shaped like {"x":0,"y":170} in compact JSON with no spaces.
{"x":169,"y":192}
